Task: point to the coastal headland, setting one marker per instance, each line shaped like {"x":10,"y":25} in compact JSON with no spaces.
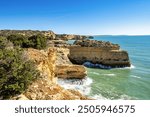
{"x":61,"y":60}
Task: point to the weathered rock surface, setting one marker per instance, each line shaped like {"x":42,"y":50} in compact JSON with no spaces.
{"x":46,"y":87}
{"x":99,"y":44}
{"x":71,"y":71}
{"x":62,"y":56}
{"x":98,"y":52}
{"x":57,"y":43}
{"x":70,"y":37}
{"x":45,"y":62}
{"x":42,"y":90}
{"x":65,"y":69}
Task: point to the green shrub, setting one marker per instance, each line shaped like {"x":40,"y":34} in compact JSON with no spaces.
{"x":18,"y":40}
{"x":16,"y":72}
{"x":37,"y":41}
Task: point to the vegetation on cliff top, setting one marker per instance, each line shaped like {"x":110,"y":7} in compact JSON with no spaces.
{"x":16,"y":71}
{"x":36,"y":41}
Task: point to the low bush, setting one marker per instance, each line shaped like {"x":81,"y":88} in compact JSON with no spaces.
{"x":16,"y":72}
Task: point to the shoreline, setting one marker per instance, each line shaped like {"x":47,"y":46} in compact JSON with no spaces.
{"x":62,"y":60}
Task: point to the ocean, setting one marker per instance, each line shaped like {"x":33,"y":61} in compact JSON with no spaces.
{"x":124,"y":83}
{"x":131,"y":83}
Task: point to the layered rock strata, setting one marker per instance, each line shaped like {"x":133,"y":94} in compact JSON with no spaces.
{"x":70,"y":37}
{"x":46,"y":87}
{"x":65,"y":69}
{"x":98,"y":52}
{"x":71,"y":71}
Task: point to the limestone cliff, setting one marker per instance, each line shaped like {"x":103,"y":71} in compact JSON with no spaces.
{"x":98,"y":52}
{"x":71,"y":71}
{"x":46,"y":87}
{"x":65,"y":69}
{"x":45,"y":62}
{"x":69,"y":37}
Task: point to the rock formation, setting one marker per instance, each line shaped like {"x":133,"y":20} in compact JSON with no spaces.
{"x":98,"y":52}
{"x":71,"y":71}
{"x":65,"y":69}
{"x":70,"y":37}
{"x":46,"y":87}
{"x":45,"y":62}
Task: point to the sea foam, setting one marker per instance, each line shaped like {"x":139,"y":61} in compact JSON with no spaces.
{"x":82,"y":85}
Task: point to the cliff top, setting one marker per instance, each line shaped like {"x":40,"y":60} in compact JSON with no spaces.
{"x":95,"y":43}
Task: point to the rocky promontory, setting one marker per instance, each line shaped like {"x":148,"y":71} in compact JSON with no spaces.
{"x":57,"y":60}
{"x":46,"y":87}
{"x":98,"y":52}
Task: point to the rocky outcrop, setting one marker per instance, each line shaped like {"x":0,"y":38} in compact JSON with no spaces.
{"x":98,"y":52}
{"x":46,"y":87}
{"x":65,"y":69}
{"x":43,"y":90}
{"x":98,"y":44}
{"x":45,"y":62}
{"x":57,"y":43}
{"x":71,"y":71}
{"x":62,"y":56}
{"x":70,"y":37}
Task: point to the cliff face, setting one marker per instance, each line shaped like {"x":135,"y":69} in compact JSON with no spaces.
{"x":45,"y":62}
{"x":65,"y":69}
{"x":71,"y":71}
{"x":99,"y":53}
{"x":46,"y":87}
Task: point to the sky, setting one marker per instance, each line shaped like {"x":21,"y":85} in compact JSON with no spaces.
{"x":90,"y":17}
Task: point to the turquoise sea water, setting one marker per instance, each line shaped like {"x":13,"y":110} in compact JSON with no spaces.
{"x":126,"y":83}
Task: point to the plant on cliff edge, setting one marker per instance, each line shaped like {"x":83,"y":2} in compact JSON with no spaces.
{"x":18,"y":39}
{"x":37,"y":41}
{"x":16,"y":72}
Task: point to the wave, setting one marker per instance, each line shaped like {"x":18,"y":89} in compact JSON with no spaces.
{"x":94,"y":73}
{"x":99,"y":97}
{"x":131,"y":67}
{"x":102,"y":74}
{"x":82,"y":85}
{"x":109,"y":74}
{"x":91,"y":65}
{"x":121,"y":97}
{"x":136,"y":76}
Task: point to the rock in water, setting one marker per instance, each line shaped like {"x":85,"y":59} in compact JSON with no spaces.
{"x":98,"y":52}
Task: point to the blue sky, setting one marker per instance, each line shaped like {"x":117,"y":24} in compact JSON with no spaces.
{"x":116,"y":17}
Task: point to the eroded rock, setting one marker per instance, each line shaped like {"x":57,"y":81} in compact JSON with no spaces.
{"x":71,"y":71}
{"x":98,"y":52}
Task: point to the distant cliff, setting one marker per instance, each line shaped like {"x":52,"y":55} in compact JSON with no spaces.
{"x":49,"y":34}
{"x":98,"y":52}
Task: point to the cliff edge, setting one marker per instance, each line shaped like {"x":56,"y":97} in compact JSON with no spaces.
{"x":46,"y":87}
{"x":105,"y":54}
